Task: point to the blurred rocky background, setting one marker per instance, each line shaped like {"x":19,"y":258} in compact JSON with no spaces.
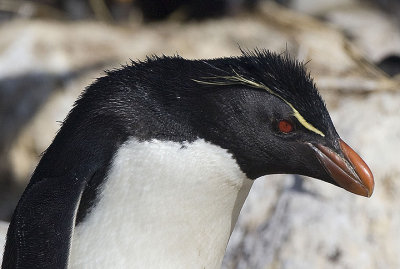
{"x":50,"y":50}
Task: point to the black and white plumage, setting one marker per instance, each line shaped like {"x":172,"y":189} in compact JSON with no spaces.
{"x":152,"y":165}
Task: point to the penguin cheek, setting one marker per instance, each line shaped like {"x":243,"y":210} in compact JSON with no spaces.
{"x":299,"y":159}
{"x":310,"y":166}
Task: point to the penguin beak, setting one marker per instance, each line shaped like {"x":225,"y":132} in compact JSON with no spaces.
{"x":349,"y":172}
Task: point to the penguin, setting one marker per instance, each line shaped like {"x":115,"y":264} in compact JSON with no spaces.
{"x":152,"y":165}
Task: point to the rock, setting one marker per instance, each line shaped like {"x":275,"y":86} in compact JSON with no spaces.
{"x":319,"y":8}
{"x":379,"y":39}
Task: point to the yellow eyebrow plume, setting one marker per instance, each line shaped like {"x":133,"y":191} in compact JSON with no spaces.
{"x":303,"y":122}
{"x":238,"y":79}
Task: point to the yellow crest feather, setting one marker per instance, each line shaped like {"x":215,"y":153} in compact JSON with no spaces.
{"x":238,"y":79}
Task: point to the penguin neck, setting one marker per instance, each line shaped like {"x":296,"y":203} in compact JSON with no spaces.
{"x":163,"y":205}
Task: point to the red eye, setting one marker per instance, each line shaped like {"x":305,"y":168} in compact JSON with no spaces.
{"x":285,"y":126}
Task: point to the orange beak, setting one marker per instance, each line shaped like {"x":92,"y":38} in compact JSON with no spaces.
{"x":351,"y":172}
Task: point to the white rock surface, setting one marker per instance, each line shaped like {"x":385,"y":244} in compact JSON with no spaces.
{"x":376,"y":34}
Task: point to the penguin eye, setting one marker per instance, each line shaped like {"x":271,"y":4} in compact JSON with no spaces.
{"x":285,"y":126}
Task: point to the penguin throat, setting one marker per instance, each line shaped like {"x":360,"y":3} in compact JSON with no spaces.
{"x":163,"y":205}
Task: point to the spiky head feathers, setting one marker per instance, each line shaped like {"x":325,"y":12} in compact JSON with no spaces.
{"x":279,"y":75}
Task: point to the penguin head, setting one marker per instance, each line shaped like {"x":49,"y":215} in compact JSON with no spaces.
{"x":265,"y":109}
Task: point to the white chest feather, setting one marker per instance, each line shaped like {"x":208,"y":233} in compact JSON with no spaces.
{"x":163,"y":206}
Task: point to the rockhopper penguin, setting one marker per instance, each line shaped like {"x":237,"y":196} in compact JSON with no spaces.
{"x":153,"y":164}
